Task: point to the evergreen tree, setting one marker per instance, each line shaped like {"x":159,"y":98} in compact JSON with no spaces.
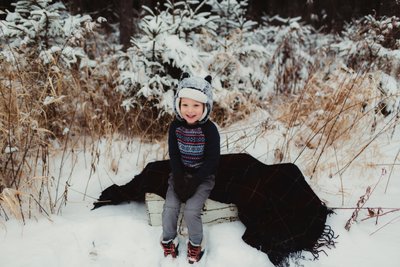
{"x":154,"y":62}
{"x":231,"y":15}
{"x":44,"y":31}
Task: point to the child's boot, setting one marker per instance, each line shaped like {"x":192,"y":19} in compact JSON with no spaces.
{"x":170,"y":247}
{"x":195,"y":252}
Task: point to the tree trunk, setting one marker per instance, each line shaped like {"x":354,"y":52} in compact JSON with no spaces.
{"x":126,"y":22}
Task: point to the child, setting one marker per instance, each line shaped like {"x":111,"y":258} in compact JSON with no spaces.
{"x":194,"y":150}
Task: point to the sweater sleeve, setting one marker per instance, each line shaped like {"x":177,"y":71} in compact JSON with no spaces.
{"x":173,"y":150}
{"x":212,"y":151}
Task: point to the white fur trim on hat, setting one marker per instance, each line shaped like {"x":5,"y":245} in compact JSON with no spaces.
{"x":204,"y":113}
{"x":194,"y":94}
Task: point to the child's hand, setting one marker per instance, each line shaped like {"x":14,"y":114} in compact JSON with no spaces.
{"x":180,"y":187}
{"x":185,"y":186}
{"x":192,"y":182}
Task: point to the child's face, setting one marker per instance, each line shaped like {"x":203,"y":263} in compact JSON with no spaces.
{"x":191,"y":110}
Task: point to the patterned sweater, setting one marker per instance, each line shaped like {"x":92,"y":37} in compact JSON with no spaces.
{"x":194,"y":148}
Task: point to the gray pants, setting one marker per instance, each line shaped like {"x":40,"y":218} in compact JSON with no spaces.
{"x":191,"y":213}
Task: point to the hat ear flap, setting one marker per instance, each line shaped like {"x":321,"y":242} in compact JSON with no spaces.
{"x":208,"y":78}
{"x":184,"y":75}
{"x":205,"y":112}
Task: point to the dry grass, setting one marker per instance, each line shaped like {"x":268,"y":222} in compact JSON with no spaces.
{"x":324,"y":117}
{"x":233,"y":108}
{"x":45,"y":105}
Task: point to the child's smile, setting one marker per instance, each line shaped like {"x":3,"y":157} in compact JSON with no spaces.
{"x":191,"y":110}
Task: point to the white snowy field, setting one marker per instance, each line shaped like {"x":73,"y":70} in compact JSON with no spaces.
{"x":120,"y":235}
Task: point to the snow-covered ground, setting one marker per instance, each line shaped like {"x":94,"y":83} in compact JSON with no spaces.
{"x":120,"y":235}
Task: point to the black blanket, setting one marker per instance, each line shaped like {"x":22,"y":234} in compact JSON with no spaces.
{"x":282,"y":214}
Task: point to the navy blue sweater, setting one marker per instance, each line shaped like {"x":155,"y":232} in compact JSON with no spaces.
{"x":193,"y":148}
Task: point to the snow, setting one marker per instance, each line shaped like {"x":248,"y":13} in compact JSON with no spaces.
{"x":10,"y":149}
{"x":75,"y":235}
{"x":121,"y":236}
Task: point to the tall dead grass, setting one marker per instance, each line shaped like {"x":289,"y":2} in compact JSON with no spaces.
{"x":339,"y":109}
{"x":46,"y":106}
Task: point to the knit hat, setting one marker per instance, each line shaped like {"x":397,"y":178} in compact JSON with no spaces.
{"x":195,"y":88}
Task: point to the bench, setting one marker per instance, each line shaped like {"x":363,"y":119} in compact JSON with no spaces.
{"x":213,"y":212}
